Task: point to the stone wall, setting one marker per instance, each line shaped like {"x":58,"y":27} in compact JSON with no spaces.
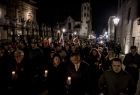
{"x":136,"y":33}
{"x":127,"y":13}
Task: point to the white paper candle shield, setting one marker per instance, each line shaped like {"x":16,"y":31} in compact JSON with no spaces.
{"x":13,"y":73}
{"x":69,"y":80}
{"x":46,"y":73}
{"x":14,"y":76}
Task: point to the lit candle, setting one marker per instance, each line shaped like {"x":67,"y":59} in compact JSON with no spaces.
{"x":46,"y":73}
{"x":13,"y":72}
{"x":69,"y":80}
{"x":14,"y":75}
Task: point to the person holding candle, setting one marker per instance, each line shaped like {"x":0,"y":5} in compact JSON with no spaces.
{"x":56,"y":76}
{"x":69,"y":80}
{"x":78,"y":71}
{"x":18,"y":72}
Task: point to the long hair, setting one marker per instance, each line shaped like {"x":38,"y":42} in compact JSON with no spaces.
{"x":98,"y":55}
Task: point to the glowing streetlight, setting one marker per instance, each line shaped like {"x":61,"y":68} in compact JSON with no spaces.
{"x":63,"y":30}
{"x":101,"y":42}
{"x":105,"y":33}
{"x":75,"y":33}
{"x":116,"y":20}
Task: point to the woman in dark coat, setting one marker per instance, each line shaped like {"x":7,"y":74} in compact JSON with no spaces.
{"x":18,"y":73}
{"x":95,"y":70}
{"x":56,"y":76}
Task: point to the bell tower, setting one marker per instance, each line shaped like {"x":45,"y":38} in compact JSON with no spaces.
{"x":86,"y":19}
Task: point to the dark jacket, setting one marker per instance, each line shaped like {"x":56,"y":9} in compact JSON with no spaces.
{"x":128,"y":61}
{"x":78,"y":79}
{"x":111,"y":83}
{"x":56,"y":79}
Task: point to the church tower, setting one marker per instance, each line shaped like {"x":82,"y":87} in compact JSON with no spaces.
{"x":86,"y":19}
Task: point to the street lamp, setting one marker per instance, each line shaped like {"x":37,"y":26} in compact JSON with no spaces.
{"x":63,"y":30}
{"x":75,"y":33}
{"x":116,"y":21}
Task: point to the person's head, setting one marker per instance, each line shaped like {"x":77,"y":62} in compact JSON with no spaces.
{"x":133,"y":50}
{"x":58,"y":48}
{"x":75,"y":58}
{"x":95,"y":52}
{"x":73,"y":48}
{"x":116,"y":64}
{"x":100,"y":49}
{"x":110,"y":53}
{"x":33,"y":45}
{"x":19,"y":55}
{"x":22,"y":45}
{"x":67,"y":47}
{"x":56,"y":59}
{"x":52,"y":53}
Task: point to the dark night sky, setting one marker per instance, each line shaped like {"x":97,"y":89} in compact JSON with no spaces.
{"x":51,"y":11}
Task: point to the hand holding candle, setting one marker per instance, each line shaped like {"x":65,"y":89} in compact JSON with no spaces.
{"x":14,"y":75}
{"x":13,"y":72}
{"x":69,"y":80}
{"x":46,"y":73}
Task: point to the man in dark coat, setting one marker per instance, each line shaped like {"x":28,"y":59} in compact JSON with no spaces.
{"x":116,"y":81}
{"x":56,"y":76}
{"x":132,"y":63}
{"x":77,"y":73}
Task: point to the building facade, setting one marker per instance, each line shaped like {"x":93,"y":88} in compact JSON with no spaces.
{"x":81,"y":27}
{"x":86,"y":19}
{"x":19,"y":19}
{"x":128,"y":27}
{"x":111,"y":28}
{"x":72,"y":27}
{"x":3,"y":33}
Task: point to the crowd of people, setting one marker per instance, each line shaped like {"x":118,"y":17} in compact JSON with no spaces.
{"x":72,"y":69}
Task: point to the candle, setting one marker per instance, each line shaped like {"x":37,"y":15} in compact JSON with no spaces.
{"x":46,"y":73}
{"x":14,"y":76}
{"x":69,"y":80}
{"x":13,"y":73}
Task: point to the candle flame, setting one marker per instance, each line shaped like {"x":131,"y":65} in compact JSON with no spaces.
{"x":13,"y":72}
{"x":46,"y":71}
{"x":69,"y":78}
